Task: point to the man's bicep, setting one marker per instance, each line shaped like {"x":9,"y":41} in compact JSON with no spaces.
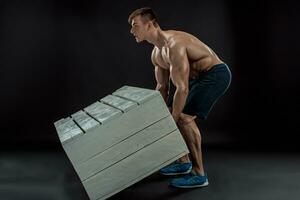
{"x":179,"y":78}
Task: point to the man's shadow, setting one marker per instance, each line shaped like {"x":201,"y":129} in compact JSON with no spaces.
{"x":153,"y":187}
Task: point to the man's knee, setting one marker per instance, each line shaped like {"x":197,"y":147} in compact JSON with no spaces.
{"x":189,"y":128}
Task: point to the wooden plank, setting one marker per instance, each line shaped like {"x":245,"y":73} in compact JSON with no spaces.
{"x":103,"y":137}
{"x":84,"y":120}
{"x":102,"y":112}
{"x":61,"y":134}
{"x":59,"y":122}
{"x":119,"y":103}
{"x":67,"y":130}
{"x":135,"y":167}
{"x":139,"y":95}
{"x":126,"y":147}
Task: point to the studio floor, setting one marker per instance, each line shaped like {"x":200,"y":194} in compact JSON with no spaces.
{"x":234,"y":174}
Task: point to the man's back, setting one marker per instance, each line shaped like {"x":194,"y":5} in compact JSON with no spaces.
{"x":200,"y":56}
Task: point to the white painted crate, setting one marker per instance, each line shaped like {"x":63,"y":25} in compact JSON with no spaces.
{"x":120,"y":139}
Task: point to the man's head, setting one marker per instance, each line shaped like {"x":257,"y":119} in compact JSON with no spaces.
{"x":143,"y":22}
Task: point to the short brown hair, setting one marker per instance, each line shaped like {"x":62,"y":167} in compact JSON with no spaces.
{"x":146,"y":13}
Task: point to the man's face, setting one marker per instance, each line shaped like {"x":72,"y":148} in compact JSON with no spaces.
{"x":138,"y":28}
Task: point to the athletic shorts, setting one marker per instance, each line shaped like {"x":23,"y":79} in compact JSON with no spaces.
{"x":204,"y":91}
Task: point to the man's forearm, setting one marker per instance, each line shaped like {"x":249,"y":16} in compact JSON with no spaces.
{"x":164,"y":91}
{"x":179,"y":102}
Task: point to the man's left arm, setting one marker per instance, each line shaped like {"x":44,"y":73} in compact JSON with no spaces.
{"x":179,"y":74}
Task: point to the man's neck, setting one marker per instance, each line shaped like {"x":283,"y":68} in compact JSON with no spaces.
{"x":158,"y":38}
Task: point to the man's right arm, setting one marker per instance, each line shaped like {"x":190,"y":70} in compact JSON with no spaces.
{"x":162,"y":79}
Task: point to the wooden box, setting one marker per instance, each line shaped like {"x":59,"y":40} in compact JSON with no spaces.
{"x":120,"y":139}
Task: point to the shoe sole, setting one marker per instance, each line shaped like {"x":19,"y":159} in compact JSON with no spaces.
{"x":193,"y":186}
{"x":178,"y":173}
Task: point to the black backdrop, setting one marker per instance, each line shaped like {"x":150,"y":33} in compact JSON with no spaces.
{"x":57,"y":57}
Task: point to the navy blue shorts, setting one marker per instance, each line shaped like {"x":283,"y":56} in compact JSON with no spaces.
{"x":204,"y":91}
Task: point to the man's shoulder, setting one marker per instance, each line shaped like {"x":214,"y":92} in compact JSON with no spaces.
{"x":180,"y":39}
{"x":177,"y":44}
{"x":176,"y":41}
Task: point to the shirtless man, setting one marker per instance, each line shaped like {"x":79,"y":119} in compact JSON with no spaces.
{"x":199,"y":77}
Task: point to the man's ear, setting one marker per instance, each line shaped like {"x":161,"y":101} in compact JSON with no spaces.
{"x":150,"y":23}
{"x":148,"y":26}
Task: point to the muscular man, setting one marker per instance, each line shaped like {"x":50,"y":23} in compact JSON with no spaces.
{"x":199,"y":77}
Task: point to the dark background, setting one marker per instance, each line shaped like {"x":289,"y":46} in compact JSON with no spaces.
{"x":57,"y":57}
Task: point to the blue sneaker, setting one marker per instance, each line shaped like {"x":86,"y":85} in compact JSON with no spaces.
{"x":190,"y":180}
{"x":176,"y":168}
